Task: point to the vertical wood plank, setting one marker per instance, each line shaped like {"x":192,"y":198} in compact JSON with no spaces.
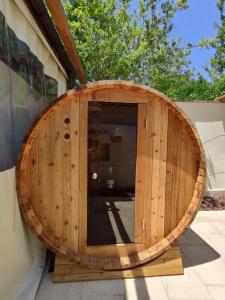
{"x":140,"y":173}
{"x":162,"y":172}
{"x":66,"y":151}
{"x":191,"y":172}
{"x":182,"y":176}
{"x":83,"y":174}
{"x":148,"y":173}
{"x":33,"y":178}
{"x":173,"y":172}
{"x":169,"y":172}
{"x":58,"y":207}
{"x":42,"y":174}
{"x":50,"y":123}
{"x":74,"y":179}
{"x":158,"y":172}
{"x":155,"y":173}
{"x":176,"y":172}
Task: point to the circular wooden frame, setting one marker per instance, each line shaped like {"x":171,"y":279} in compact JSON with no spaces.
{"x":108,"y":263}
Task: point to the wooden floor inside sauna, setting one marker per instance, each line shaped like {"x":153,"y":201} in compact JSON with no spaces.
{"x":110,"y":220}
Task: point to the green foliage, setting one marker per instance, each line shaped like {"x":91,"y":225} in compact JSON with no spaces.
{"x":192,"y":88}
{"x":114,"y":43}
{"x":217,"y":63}
{"x":117,"y":43}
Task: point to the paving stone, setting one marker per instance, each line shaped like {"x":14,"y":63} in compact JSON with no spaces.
{"x":186,"y":287}
{"x":207,"y":263}
{"x":218,"y":292}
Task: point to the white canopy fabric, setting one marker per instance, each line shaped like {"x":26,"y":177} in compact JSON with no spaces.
{"x":22,"y":256}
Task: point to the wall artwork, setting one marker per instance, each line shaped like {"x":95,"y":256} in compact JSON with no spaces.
{"x":25,"y":90}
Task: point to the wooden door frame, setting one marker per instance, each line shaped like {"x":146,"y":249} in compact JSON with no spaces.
{"x":113,"y":250}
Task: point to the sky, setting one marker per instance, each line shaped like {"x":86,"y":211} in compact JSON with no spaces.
{"x":193,"y":25}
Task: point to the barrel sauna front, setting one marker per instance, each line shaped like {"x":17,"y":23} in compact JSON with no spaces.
{"x":169,"y":174}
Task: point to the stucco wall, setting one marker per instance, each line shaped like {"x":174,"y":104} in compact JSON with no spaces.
{"x":209,"y":119}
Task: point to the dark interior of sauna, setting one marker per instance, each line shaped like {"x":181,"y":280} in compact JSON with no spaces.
{"x":112,"y":144}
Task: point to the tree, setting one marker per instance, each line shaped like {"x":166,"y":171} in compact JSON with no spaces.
{"x":217,"y":62}
{"x":216,"y":68}
{"x":118,"y":42}
{"x":115,"y":42}
{"x":193,"y":88}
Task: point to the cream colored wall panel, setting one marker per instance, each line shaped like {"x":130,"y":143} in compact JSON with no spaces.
{"x":21,"y":254}
{"x":209,"y":119}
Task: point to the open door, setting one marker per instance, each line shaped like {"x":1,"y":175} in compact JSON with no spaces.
{"x":151,"y":173}
{"x":118,"y":152}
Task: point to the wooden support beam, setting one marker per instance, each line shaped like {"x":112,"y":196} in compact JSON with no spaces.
{"x":58,"y":15}
{"x":170,"y":263}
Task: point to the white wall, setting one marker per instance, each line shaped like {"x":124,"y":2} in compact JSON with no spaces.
{"x":209,"y":119}
{"x":22,"y":256}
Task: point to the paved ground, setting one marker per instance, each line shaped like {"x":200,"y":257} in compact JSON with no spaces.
{"x":203,"y":251}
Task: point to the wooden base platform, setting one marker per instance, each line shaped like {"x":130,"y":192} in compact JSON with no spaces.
{"x":170,"y":263}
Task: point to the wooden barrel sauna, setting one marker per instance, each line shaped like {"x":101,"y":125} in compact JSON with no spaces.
{"x":52,"y":175}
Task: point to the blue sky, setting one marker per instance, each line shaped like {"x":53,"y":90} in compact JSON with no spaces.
{"x":194,"y":24}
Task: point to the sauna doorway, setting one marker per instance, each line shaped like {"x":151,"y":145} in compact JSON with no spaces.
{"x":112,"y":147}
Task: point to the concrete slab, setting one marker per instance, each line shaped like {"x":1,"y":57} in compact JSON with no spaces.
{"x":186,"y":287}
{"x":145,"y":289}
{"x":218,"y":292}
{"x":216,"y":241}
{"x":219,"y":226}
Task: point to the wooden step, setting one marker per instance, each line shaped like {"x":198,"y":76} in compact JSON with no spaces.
{"x":170,"y":263}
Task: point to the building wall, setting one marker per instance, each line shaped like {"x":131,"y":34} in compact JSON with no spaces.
{"x":30,"y":77}
{"x":209,"y":119}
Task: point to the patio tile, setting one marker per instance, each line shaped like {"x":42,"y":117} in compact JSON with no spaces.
{"x":129,"y":289}
{"x":95,"y":290}
{"x":210,"y":216}
{"x":204,"y":228}
{"x":49,"y":290}
{"x":103,"y":289}
{"x":212,"y":272}
{"x":207,"y":263}
{"x":152,"y":289}
{"x":136,"y":289}
{"x":220,"y":226}
{"x":198,"y":255}
{"x":216,"y":241}
{"x":186,"y":287}
{"x":190,"y":238}
{"x":218,"y":292}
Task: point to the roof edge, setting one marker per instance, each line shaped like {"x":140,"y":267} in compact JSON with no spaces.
{"x":46,"y":25}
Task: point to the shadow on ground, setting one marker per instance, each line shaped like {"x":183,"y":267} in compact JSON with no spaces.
{"x":195,"y":251}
